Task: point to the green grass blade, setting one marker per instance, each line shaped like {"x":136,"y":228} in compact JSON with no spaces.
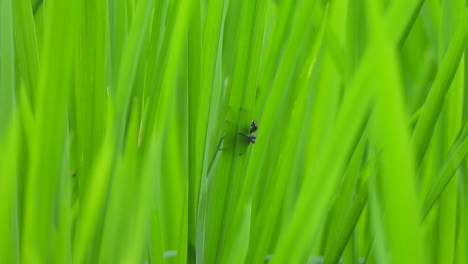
{"x":240,"y":112}
{"x":7,"y":66}
{"x":9,"y":223}
{"x":93,"y":204}
{"x":49,"y":137}
{"x":120,"y":122}
{"x":90,"y":92}
{"x":456,"y":156}
{"x":435,"y":99}
{"x":452,"y":116}
{"x":402,"y":235}
{"x":26,"y":46}
{"x":343,"y":226}
{"x":121,"y":216}
{"x":195,"y":160}
{"x":263,"y":229}
{"x":241,"y":94}
{"x":118,"y":30}
{"x":273,"y":50}
{"x":128,"y":67}
{"x":307,"y":217}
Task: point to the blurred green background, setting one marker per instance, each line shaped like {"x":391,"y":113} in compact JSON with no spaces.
{"x":124,"y":131}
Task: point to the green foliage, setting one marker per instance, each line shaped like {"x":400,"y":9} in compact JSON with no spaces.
{"x":123,"y":123}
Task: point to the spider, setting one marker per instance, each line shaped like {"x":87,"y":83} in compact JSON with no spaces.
{"x":253,"y":126}
{"x":251,"y":137}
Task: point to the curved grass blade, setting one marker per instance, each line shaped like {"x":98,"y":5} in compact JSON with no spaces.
{"x":346,"y":215}
{"x":434,"y":102}
{"x":451,"y":118}
{"x":396,"y":36}
{"x":457,"y":155}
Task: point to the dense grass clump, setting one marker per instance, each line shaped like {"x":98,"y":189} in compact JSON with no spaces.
{"x":126,"y":131}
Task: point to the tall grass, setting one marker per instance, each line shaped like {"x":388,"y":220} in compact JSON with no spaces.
{"x":123,"y":130}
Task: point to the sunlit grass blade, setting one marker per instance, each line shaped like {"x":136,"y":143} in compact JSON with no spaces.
{"x":222,"y":185}
{"x":122,"y":219}
{"x":240,"y":113}
{"x":194,"y":159}
{"x":348,"y":206}
{"x":456,"y":156}
{"x":112,"y":248}
{"x":270,"y":206}
{"x":126,"y":134}
{"x":161,"y":123}
{"x":9,"y":222}
{"x":128,"y":67}
{"x":271,"y":114}
{"x":49,"y":138}
{"x":211,"y":34}
{"x":26,"y":46}
{"x":307,"y":218}
{"x":7,"y":66}
{"x":274,"y":47}
{"x":435,"y":99}
{"x":89,"y":105}
{"x":452,"y":117}
{"x":93,"y":204}
{"x":118,"y":30}
{"x":401,"y":237}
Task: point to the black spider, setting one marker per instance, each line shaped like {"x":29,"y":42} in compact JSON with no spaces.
{"x":253,"y":126}
{"x":251,"y":138}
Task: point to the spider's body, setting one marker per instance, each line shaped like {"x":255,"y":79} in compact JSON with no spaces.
{"x":251,"y":138}
{"x":253,"y":126}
